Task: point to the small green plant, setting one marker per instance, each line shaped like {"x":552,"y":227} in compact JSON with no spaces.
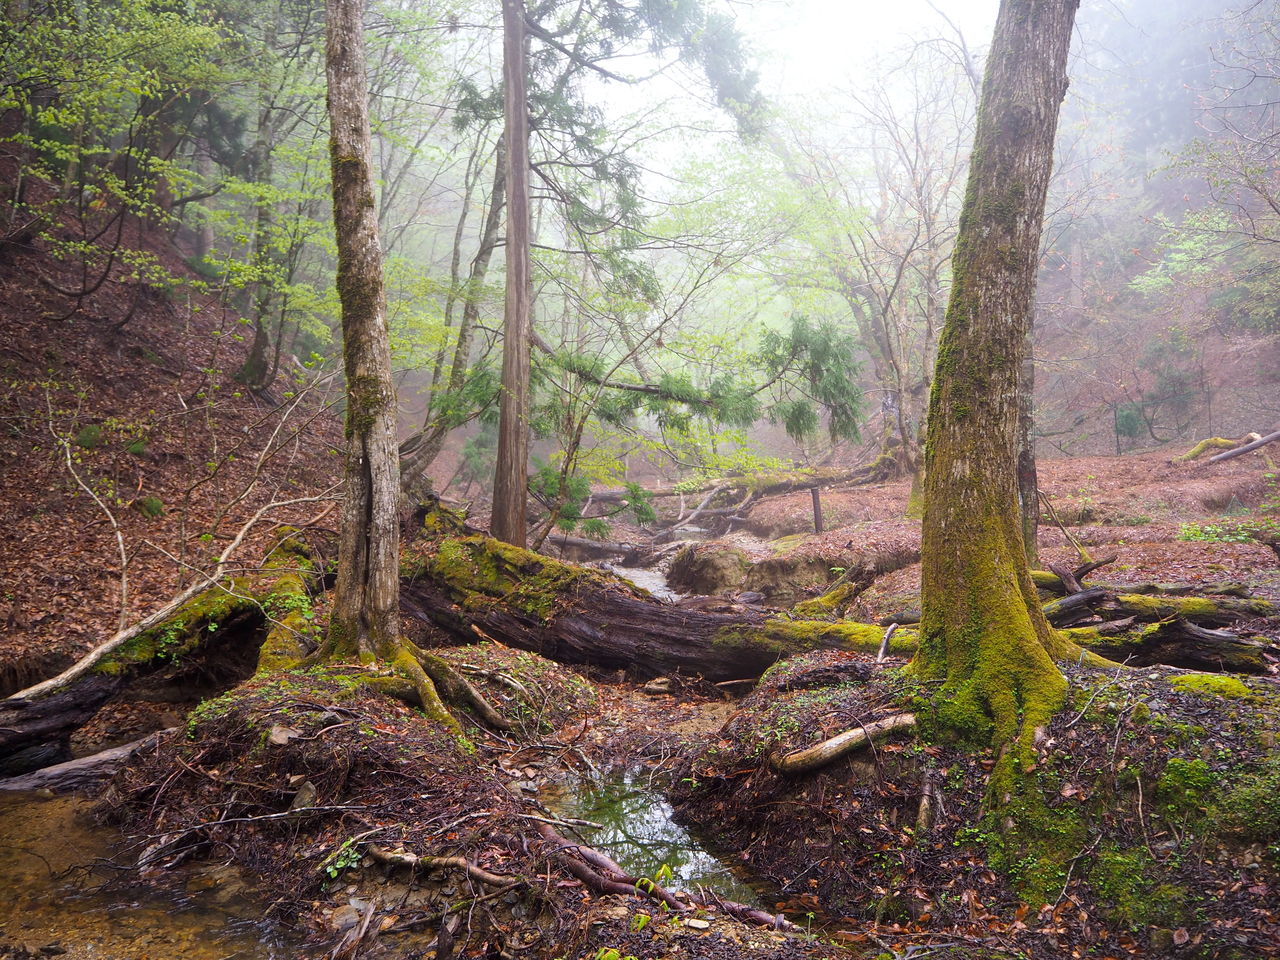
{"x":150,"y":507}
{"x":342,"y":859}
{"x":89,"y":437}
{"x":639,"y":922}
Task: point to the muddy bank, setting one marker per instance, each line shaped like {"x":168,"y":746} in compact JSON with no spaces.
{"x":1150,"y":823}
{"x":373,"y":827}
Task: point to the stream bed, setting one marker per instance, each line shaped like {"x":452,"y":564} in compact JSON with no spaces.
{"x":638,"y":832}
{"x":62,"y":896}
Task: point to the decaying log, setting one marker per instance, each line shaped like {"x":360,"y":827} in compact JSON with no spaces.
{"x":224,"y":616}
{"x":1074,"y":608}
{"x":1178,"y":644}
{"x":1215,"y":443}
{"x":1247,"y":448}
{"x":472,"y":586}
{"x":81,"y":773}
{"x":1203,"y":611}
{"x":828,"y":751}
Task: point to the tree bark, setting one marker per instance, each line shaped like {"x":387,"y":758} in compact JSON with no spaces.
{"x":366,"y":612}
{"x":511,"y":485}
{"x":982,"y":629}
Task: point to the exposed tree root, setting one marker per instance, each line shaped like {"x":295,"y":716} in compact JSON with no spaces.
{"x":415,"y":862}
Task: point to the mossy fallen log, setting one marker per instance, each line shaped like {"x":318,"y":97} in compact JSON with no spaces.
{"x":474,"y":586}
{"x":1214,"y":443}
{"x":1178,"y":644}
{"x":1203,"y":611}
{"x":230,"y":614}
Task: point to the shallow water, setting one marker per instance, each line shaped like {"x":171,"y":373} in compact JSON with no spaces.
{"x":655,"y":581}
{"x":640,"y":834}
{"x":56,"y":864}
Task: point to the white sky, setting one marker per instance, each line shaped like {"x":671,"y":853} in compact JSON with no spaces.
{"x":806,"y":45}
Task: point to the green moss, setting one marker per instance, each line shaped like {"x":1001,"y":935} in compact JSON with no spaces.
{"x":480,"y":571}
{"x":827,"y":605}
{"x":89,"y":436}
{"x":782,"y":638}
{"x":1184,"y":787}
{"x":1212,"y":685}
{"x":1250,"y":807}
{"x":150,"y":506}
{"x":1029,"y":841}
{"x":1125,"y":880}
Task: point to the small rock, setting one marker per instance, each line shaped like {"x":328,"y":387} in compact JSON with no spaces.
{"x":305,"y":797}
{"x":344,"y":917}
{"x":280,"y":734}
{"x":693,"y":923}
{"x":659,"y":686}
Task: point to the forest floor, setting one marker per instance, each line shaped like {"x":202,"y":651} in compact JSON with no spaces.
{"x":1161,"y":793}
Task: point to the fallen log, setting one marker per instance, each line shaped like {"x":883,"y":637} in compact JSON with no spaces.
{"x":473,"y":586}
{"x":82,"y":773}
{"x":1203,"y":611}
{"x":1075,"y":607}
{"x":761,"y":484}
{"x":1247,"y":448}
{"x":227,"y":617}
{"x":1177,"y":644}
{"x":1215,"y":443}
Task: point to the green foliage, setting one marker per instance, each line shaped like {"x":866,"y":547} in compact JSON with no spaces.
{"x":346,"y":856}
{"x":1231,"y":531}
{"x":151,"y":507}
{"x":89,"y":436}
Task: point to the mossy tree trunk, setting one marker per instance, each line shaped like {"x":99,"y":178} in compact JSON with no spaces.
{"x":511,"y":480}
{"x":365,"y":617}
{"x":982,"y":629}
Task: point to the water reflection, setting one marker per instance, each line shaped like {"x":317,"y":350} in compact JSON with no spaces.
{"x":640,"y":834}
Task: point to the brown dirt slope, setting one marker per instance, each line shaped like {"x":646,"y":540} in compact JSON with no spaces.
{"x":156,"y":427}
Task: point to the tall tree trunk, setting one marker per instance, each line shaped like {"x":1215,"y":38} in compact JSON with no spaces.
{"x":982,"y":629}
{"x":255,"y":372}
{"x":510,"y":487}
{"x":366,"y":616}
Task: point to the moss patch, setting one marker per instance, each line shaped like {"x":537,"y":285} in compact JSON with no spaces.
{"x":1212,"y":685}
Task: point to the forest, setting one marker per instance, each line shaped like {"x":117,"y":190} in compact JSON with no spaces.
{"x":639,"y":479}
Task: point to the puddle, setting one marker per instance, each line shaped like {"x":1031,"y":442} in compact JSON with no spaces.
{"x":655,"y":581}
{"x":640,"y":834}
{"x":56,"y":863}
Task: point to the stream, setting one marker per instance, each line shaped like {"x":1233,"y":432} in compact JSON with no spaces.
{"x":639,"y":832}
{"x":648,"y":578}
{"x":64,"y":897}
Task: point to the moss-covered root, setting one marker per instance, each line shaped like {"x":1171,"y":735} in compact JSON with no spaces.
{"x":1209,"y":443}
{"x":458,"y":689}
{"x":287,"y":602}
{"x":419,"y":679}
